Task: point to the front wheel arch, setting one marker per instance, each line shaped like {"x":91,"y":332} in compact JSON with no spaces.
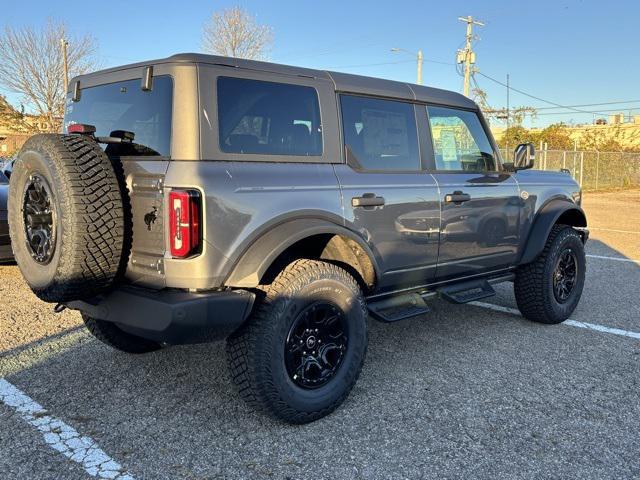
{"x":556,"y":212}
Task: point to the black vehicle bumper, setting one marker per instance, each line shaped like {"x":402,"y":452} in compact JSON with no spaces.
{"x":171,"y":316}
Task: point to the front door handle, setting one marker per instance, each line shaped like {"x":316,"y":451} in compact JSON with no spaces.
{"x":457,"y":197}
{"x":367,"y":200}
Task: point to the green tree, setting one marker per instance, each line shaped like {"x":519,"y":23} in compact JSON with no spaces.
{"x":515,"y":135}
{"x":608,"y":139}
{"x":556,"y":137}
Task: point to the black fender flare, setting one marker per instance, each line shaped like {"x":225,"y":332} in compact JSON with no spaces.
{"x":543,"y":222}
{"x":254,"y":262}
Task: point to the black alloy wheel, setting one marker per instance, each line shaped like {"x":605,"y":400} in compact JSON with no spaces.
{"x":39,"y":219}
{"x":565,"y":275}
{"x":316,"y":345}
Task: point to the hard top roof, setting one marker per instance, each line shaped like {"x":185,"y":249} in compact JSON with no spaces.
{"x":344,"y":82}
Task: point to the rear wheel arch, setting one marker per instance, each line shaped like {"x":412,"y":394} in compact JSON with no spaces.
{"x":556,"y":212}
{"x":314,"y":239}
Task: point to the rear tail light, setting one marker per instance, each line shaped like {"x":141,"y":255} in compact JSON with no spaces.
{"x":184,"y":223}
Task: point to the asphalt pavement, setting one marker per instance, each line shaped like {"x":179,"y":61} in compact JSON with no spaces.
{"x":462,"y":392}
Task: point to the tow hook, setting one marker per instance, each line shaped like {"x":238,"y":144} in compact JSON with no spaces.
{"x":59,"y":308}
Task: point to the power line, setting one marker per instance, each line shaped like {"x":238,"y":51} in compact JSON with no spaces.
{"x":593,"y":104}
{"x":600,"y":112}
{"x":558,"y":105}
{"x":571,"y":108}
{"x":389,"y":63}
{"x":370,"y":64}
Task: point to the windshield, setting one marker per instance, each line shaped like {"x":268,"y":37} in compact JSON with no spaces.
{"x":125,"y":106}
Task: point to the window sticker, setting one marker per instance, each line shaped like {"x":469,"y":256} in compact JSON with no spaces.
{"x":448,"y":146}
{"x":385,"y":133}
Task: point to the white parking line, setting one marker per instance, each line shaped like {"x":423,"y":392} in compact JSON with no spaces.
{"x":617,"y":259}
{"x":572,"y":323}
{"x":61,"y":437}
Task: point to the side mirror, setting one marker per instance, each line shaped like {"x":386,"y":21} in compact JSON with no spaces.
{"x":524,"y":156}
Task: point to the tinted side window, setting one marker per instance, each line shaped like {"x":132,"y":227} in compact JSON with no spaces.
{"x":459,"y":141}
{"x":256,"y":117}
{"x":379,"y":134}
{"x":125,"y":106}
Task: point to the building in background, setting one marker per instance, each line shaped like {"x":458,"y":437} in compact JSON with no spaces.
{"x":13,"y":133}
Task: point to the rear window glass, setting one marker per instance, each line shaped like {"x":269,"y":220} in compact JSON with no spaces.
{"x":268,"y":118}
{"x":125,"y":106}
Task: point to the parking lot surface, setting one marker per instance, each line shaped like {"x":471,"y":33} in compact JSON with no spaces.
{"x":464,"y":391}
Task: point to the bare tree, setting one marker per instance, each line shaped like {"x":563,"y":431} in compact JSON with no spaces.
{"x":515,"y":115}
{"x":31,"y":64}
{"x":235,"y":33}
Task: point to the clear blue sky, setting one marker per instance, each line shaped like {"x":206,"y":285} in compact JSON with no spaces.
{"x":567,"y":51}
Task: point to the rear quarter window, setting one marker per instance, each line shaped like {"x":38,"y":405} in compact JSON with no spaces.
{"x":268,"y":118}
{"x":125,"y":106}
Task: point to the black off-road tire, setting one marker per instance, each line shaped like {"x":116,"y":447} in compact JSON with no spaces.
{"x":533,"y":285}
{"x":256,"y":352}
{"x":90,"y":247}
{"x":110,"y":334}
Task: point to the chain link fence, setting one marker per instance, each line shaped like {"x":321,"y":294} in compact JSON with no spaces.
{"x":592,"y":170}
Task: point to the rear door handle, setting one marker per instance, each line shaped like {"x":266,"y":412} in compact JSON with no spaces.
{"x":367,"y":200}
{"x":457,"y":197}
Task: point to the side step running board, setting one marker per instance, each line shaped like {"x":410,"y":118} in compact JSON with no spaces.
{"x":465,"y":292}
{"x":399,"y":307}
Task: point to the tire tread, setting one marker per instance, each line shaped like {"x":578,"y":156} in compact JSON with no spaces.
{"x":243,"y":347}
{"x":530,"y":283}
{"x":93,"y":223}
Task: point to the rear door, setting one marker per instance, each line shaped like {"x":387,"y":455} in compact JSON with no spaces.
{"x":388,"y":196}
{"x":480,"y":203}
{"x":114,"y":107}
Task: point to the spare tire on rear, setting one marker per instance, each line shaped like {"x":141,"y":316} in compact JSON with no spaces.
{"x":66,"y":217}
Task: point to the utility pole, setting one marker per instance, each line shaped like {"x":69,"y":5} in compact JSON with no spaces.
{"x":63,"y":45}
{"x":468,"y":56}
{"x":508,"y":113}
{"x":419,"y":59}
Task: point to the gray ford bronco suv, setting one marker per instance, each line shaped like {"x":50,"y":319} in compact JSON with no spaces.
{"x":198,"y":197}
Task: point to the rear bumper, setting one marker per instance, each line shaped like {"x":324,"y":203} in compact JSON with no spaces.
{"x":171,"y":316}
